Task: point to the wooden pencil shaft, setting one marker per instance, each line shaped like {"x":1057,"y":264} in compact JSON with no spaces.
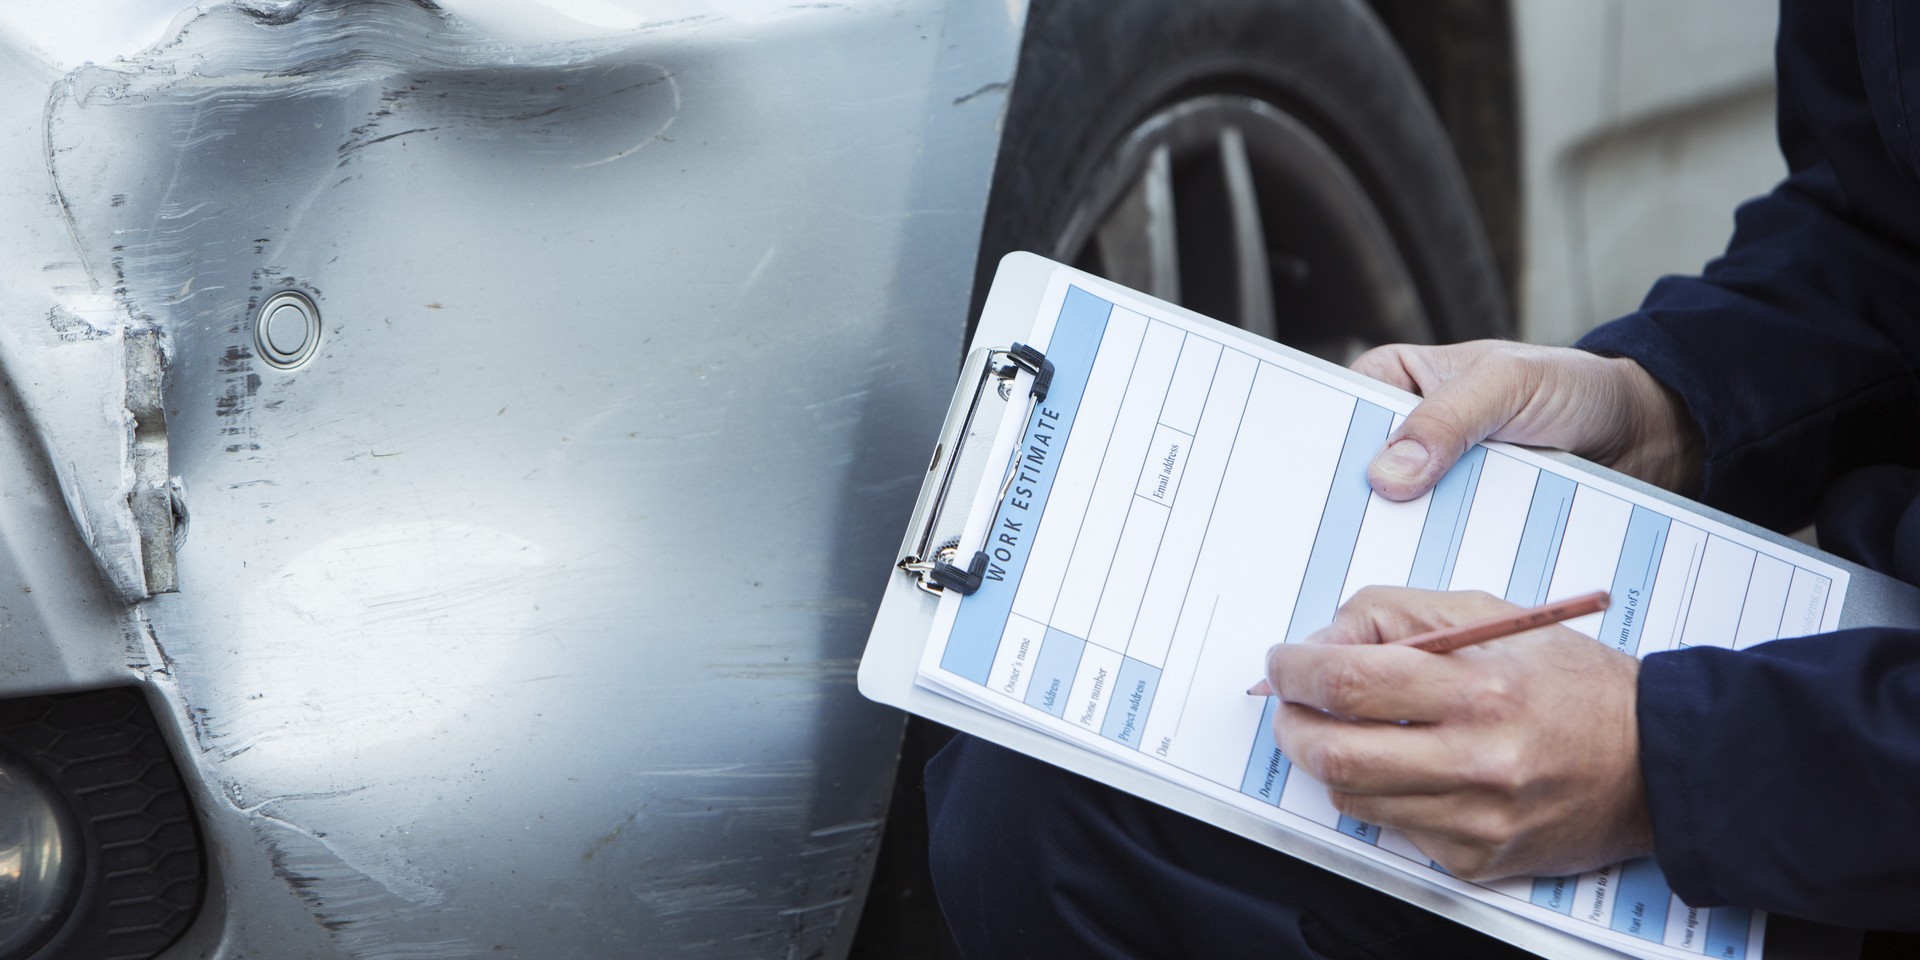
{"x":1448,"y":639}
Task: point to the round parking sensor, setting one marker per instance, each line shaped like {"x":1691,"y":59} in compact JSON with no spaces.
{"x":287,"y":329}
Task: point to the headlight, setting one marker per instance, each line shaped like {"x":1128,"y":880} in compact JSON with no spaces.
{"x":38,"y":859}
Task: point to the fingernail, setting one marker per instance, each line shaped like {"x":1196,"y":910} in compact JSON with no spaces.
{"x":1403,"y":460}
{"x":1261,"y":689}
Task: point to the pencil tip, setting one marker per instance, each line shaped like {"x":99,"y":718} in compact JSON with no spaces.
{"x":1261,"y":689}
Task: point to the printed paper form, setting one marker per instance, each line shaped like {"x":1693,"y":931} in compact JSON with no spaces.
{"x":1181,"y":501}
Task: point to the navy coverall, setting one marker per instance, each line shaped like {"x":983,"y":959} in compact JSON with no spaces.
{"x":1784,"y":777}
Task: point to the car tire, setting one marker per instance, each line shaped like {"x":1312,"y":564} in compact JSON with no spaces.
{"x":1290,"y":139}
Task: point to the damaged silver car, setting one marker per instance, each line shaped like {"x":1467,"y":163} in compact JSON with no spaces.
{"x":450,"y":450}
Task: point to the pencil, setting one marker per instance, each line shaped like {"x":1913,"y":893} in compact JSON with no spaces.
{"x":1449,"y":639}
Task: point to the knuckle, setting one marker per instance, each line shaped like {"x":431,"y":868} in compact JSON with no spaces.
{"x":1440,"y":422}
{"x":1366,"y":598}
{"x":1495,"y":697}
{"x":1493,"y":687}
{"x":1331,"y":763}
{"x":1488,"y":830}
{"x":1343,"y":685}
{"x":1470,"y":866}
{"x":1503,"y":770}
{"x":1379,"y":358}
{"x":1500,"y":761}
{"x":1354,"y":805}
{"x":1479,"y":603}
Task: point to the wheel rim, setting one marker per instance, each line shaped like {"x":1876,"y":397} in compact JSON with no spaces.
{"x":1233,"y":207}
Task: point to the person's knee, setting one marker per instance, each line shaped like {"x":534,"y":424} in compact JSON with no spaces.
{"x":981,"y":801}
{"x":1027,"y":859}
{"x":954,"y":831}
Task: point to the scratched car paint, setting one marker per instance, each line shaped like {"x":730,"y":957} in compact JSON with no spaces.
{"x":522,"y":617}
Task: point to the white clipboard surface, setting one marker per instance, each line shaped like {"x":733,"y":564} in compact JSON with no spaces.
{"x":891,"y":669}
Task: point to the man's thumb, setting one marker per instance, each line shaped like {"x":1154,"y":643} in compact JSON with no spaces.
{"x":1435,"y":434}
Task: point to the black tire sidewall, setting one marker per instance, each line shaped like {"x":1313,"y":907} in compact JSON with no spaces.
{"x":1091,"y":70}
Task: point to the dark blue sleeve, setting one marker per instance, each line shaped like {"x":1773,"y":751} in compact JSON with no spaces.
{"x":1796,"y":352}
{"x":1787,"y":776}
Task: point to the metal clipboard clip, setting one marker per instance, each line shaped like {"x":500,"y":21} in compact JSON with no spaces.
{"x":932,"y":553}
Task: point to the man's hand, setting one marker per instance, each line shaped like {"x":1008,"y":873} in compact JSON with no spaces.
{"x":1605,"y":409}
{"x":1518,"y":756}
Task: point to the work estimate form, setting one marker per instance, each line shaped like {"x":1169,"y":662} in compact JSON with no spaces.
{"x":1182,"y":499}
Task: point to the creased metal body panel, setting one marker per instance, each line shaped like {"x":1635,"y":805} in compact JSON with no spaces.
{"x":522,"y":619}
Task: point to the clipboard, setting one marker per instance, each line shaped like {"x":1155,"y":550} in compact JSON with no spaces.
{"x":1001,"y":373}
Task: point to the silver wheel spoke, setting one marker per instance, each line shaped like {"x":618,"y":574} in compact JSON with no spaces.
{"x":1251,"y":267}
{"x":1274,"y":232}
{"x":1137,"y":241}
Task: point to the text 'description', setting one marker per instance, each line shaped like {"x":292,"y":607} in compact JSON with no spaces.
{"x":1166,"y":461}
